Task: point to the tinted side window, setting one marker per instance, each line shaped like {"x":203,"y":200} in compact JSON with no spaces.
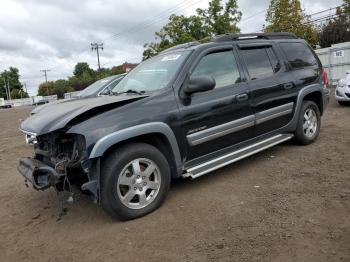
{"x":222,"y":66}
{"x":298,"y":55}
{"x":276,"y":65}
{"x":258,"y":62}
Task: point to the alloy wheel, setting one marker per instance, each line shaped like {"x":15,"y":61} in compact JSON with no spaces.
{"x":310,"y":123}
{"x":139,"y":183}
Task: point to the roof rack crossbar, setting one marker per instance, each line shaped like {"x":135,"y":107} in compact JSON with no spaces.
{"x":185,"y":45}
{"x":269,"y":36}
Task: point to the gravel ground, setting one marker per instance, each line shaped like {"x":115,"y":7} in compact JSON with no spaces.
{"x":290,"y":203}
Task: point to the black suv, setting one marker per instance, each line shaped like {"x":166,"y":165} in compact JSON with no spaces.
{"x":188,"y":111}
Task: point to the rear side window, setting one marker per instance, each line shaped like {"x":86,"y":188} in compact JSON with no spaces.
{"x":258,"y":62}
{"x":222,"y":66}
{"x":298,"y":55}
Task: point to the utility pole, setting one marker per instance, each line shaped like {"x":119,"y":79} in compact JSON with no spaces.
{"x":45,"y":74}
{"x":97,"y":46}
{"x":25,"y":87}
{"x":5,"y":86}
{"x":9,"y":90}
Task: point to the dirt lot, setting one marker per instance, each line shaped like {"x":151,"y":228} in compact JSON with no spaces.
{"x":290,"y":203}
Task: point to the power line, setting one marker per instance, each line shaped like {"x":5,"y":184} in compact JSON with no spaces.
{"x":151,"y":19}
{"x":253,"y":15}
{"x":325,"y":10}
{"x":149,"y":22}
{"x":140,"y":28}
{"x":318,"y":19}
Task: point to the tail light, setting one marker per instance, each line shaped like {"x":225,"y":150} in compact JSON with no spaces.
{"x":325,"y":78}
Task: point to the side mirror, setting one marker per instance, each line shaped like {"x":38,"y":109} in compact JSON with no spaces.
{"x":199,"y":84}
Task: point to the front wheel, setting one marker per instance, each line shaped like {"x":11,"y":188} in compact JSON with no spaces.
{"x":309,"y":123}
{"x":135,"y":180}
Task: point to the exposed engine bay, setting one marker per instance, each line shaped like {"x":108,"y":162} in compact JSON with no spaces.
{"x":57,"y":161}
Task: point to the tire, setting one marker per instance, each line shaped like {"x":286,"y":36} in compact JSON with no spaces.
{"x":135,"y":180}
{"x":308,"y":132}
{"x":343,"y":103}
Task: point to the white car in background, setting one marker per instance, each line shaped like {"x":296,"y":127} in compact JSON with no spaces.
{"x":342,"y":91}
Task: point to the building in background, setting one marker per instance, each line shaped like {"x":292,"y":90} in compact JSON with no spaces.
{"x":336,"y":60}
{"x":128,"y":66}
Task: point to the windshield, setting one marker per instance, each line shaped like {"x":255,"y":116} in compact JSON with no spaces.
{"x":95,"y":87}
{"x":153,"y":74}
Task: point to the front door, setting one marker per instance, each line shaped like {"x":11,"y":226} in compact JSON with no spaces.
{"x":221,"y":117}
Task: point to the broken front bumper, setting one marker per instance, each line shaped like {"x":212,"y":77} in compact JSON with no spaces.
{"x":40,"y":175}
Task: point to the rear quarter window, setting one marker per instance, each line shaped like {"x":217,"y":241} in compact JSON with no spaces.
{"x":298,"y":55}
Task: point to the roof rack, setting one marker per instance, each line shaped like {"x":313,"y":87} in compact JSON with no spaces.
{"x":269,"y":36}
{"x":180,"y":46}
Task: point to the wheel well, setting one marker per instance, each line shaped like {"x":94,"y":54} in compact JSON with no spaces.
{"x":316,"y":97}
{"x":155,"y":139}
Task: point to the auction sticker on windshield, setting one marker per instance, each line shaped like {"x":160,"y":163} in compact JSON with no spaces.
{"x":171,"y":57}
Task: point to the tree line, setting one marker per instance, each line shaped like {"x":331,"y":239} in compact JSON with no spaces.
{"x":281,"y":16}
{"x":82,"y":77}
{"x":10,"y":86}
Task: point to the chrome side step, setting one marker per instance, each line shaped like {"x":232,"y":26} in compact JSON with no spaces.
{"x":216,"y":163}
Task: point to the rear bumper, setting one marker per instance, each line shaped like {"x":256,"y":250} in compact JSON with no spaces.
{"x":40,"y":175}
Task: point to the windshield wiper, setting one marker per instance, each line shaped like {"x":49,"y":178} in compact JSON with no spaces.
{"x":130,"y":91}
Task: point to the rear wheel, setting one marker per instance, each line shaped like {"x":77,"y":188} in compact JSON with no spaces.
{"x":309,"y":123}
{"x":135,"y":181}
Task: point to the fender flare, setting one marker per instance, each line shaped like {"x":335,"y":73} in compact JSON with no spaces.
{"x":302,"y":94}
{"x":109,"y":140}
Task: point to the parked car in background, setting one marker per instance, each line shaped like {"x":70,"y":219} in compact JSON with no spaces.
{"x":3,"y":104}
{"x":186,"y":112}
{"x":99,"y":88}
{"x":342,"y":91}
{"x":40,"y":102}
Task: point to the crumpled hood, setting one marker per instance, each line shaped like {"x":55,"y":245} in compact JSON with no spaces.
{"x":56,"y":116}
{"x":39,"y":108}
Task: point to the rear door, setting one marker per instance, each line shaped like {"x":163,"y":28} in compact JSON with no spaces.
{"x":220,"y":117}
{"x":272,"y":88}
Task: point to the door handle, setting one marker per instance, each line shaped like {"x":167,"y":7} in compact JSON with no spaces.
{"x":242,"y":97}
{"x":288,"y":85}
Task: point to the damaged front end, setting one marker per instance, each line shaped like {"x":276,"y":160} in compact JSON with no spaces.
{"x":59,"y":161}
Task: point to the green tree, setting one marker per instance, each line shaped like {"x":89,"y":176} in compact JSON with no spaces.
{"x":18,"y":93}
{"x":103,"y":73}
{"x":83,"y":76}
{"x":61,"y":87}
{"x":58,"y":87}
{"x":337,"y":30}
{"x":287,"y":16}
{"x":46,"y":88}
{"x":11,"y":78}
{"x":217,"y":19}
{"x":117,"y":70}
{"x":180,"y":29}
{"x":82,"y":68}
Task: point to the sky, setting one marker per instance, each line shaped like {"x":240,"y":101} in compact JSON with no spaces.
{"x":56,"y":34}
